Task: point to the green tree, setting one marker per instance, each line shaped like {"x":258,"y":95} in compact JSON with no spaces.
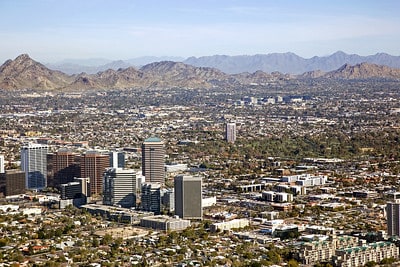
{"x":95,"y":242}
{"x":387,"y":261}
{"x":293,"y":263}
{"x":370,"y":264}
{"x":3,"y":242}
{"x":106,"y":240}
{"x":273,"y":256}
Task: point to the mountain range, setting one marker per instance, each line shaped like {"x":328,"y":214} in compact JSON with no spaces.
{"x":289,"y":62}
{"x":24,"y":72}
{"x":281,"y":62}
{"x":94,"y":65}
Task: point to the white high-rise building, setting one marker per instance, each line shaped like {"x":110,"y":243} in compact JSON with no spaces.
{"x":34,"y":164}
{"x":119,"y":187}
{"x":230,"y":132}
{"x":140,"y":179}
{"x":2,"y":170}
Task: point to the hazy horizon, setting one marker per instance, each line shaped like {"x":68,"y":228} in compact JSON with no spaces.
{"x":98,"y":61}
{"x":52,"y":31}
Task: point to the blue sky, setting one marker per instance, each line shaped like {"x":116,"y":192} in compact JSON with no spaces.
{"x":52,"y":30}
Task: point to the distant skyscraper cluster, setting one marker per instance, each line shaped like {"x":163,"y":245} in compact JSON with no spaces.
{"x":79,"y":177}
{"x":43,"y":169}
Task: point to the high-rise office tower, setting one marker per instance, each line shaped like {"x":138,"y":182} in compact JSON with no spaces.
{"x":393,"y":218}
{"x":119,"y":187}
{"x":93,"y":165}
{"x":230,"y":132}
{"x":14,"y":182}
{"x":153,"y":162}
{"x":2,"y":170}
{"x":50,"y":171}
{"x":167,"y":199}
{"x":65,"y":167}
{"x":75,"y":193}
{"x":117,"y":159}
{"x":188,"y":197}
{"x":151,"y":197}
{"x":34,"y":164}
{"x":3,"y":177}
{"x":78,"y":188}
{"x":140,"y":179}
{"x":3,"y":185}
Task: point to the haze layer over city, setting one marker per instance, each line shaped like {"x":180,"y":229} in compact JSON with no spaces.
{"x":212,"y":133}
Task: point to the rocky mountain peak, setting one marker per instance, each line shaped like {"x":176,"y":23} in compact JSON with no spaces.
{"x":24,"y":72}
{"x":163,"y":67}
{"x":23,"y":57}
{"x":364,"y":71}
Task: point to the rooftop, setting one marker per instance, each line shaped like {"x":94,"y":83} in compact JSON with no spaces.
{"x":152,"y":139}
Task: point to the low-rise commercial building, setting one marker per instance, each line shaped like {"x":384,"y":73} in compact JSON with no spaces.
{"x":117,"y":214}
{"x":229,"y":225}
{"x":279,"y":197}
{"x":165,"y":223}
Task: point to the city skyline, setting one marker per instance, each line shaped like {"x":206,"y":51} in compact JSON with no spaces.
{"x":129,"y":29}
{"x":313,"y":168}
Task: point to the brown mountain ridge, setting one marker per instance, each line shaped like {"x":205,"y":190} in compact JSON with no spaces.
{"x":358,"y":71}
{"x":24,"y":72}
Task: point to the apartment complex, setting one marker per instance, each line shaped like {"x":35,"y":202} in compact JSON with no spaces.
{"x":345,"y":251}
{"x":361,"y":255}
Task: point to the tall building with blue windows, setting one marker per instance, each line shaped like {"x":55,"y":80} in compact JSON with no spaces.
{"x":151,"y":197}
{"x":34,"y":164}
